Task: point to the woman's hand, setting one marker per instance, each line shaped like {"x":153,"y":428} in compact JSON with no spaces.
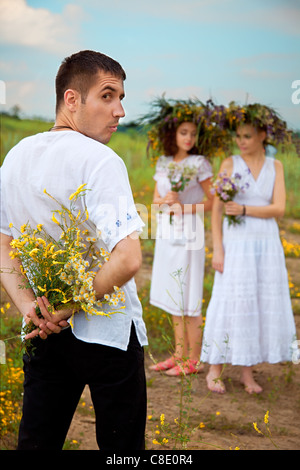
{"x":171,"y":198}
{"x":218,"y":259}
{"x":233,"y":208}
{"x":52,"y":322}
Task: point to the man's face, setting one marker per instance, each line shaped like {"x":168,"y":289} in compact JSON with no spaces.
{"x":98,"y":116}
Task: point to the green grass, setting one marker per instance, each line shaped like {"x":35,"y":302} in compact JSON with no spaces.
{"x":12,"y":130}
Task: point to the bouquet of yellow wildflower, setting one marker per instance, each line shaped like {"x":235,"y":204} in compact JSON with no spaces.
{"x":63,"y":270}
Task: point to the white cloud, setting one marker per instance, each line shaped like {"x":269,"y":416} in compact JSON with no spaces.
{"x":264,"y":74}
{"x":280,"y":16}
{"x":23,"y":25}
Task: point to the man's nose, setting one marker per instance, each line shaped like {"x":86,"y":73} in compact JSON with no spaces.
{"x":119,"y":110}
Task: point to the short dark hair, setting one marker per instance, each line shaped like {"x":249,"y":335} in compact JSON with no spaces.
{"x":79,"y":71}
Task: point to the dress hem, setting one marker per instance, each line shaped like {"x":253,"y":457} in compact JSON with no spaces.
{"x":175,"y":313}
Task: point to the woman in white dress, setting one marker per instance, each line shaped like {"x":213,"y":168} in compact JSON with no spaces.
{"x":249,"y":319}
{"x":178,"y":266}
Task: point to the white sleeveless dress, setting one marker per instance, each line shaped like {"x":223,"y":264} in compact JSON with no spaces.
{"x":249,"y":319}
{"x":179,"y":255}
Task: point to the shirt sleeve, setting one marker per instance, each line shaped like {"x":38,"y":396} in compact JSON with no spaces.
{"x":4,"y":227}
{"x":110,"y":202}
{"x":205,"y":170}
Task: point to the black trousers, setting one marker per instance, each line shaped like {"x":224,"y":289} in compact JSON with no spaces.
{"x":55,"y":377}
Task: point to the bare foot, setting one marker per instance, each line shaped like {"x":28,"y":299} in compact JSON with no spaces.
{"x":251,"y":386}
{"x":214,"y":383}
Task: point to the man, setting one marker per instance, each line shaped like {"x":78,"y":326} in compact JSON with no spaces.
{"x":105,"y":353}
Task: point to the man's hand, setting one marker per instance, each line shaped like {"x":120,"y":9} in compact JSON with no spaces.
{"x":52,"y":322}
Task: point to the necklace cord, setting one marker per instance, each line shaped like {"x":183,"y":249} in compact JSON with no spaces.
{"x":60,"y":127}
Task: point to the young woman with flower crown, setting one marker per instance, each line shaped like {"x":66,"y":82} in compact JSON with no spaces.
{"x":249,"y":319}
{"x":178,"y":266}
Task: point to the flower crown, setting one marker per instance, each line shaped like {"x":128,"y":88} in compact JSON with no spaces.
{"x":215,"y":124}
{"x":211,"y":140}
{"x":261,"y":117}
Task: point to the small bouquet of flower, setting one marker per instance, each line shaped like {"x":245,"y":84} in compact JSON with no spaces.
{"x":226,"y":188}
{"x":63,"y":270}
{"x":179,"y":175}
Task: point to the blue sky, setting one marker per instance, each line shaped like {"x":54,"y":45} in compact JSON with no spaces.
{"x":222,"y":49}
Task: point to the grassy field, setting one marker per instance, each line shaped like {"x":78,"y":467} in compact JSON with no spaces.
{"x":131,"y":146}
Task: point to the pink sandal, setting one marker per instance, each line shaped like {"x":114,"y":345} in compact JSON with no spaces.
{"x":164,"y":365}
{"x":185,"y":368}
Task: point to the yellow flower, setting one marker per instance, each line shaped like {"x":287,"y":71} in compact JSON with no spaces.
{"x":256,"y":428}
{"x":33,"y":252}
{"x":78,"y":190}
{"x":54,"y":219}
{"x":41,"y":289}
{"x":266,"y":418}
{"x":156,"y":442}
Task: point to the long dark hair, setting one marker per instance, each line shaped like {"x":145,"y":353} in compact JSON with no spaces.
{"x":168,"y":140}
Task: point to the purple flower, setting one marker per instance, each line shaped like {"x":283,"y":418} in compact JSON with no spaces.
{"x":225,"y":196}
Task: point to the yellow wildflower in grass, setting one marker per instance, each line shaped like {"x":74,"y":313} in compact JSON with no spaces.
{"x":268,"y":433}
{"x":10,"y":405}
{"x":64,"y":270}
{"x":266,"y":418}
{"x":290,"y":249}
{"x":256,"y":428}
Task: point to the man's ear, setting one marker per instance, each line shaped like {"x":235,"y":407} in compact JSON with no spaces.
{"x":71,"y":98}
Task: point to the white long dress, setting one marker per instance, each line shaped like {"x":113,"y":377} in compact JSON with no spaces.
{"x":179,"y":256}
{"x":249,"y":319}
